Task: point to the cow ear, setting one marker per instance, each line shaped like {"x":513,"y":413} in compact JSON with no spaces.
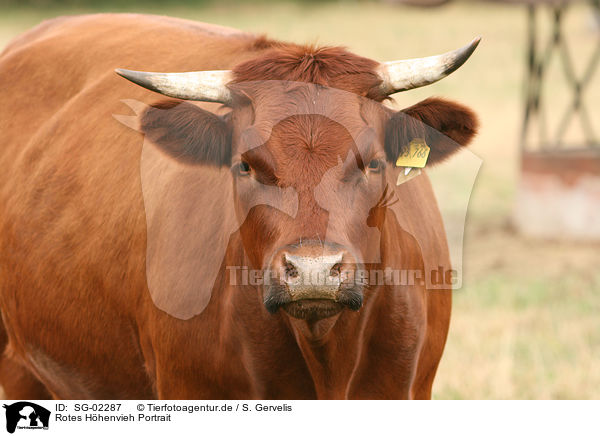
{"x":187,"y":133}
{"x":445,"y":126}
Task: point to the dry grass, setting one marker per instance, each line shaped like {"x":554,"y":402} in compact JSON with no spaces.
{"x":525,"y":324}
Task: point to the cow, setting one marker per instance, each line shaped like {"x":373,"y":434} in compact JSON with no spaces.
{"x":127,"y":213}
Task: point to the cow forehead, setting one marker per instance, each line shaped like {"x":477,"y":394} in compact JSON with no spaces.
{"x":274,"y":102}
{"x":309,"y":141}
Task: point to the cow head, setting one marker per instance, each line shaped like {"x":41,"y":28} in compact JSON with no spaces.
{"x":306,"y":128}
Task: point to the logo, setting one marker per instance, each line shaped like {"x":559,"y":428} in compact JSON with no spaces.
{"x":26,"y":415}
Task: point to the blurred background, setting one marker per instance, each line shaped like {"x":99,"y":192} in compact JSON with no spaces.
{"x":526,"y":324}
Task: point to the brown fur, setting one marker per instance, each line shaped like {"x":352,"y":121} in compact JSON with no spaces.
{"x":328,"y":66}
{"x":75,"y":304}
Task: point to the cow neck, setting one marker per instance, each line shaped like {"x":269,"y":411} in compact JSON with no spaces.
{"x":333,"y":348}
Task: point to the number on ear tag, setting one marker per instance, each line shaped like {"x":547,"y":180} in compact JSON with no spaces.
{"x":414,"y":154}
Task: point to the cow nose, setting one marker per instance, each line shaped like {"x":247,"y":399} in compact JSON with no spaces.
{"x":313,"y":277}
{"x":313,"y":270}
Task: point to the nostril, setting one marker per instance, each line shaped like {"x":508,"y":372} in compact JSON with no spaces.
{"x":290,"y":270}
{"x":335,"y":270}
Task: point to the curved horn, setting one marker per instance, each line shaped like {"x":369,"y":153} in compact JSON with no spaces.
{"x":195,"y":85}
{"x":414,"y":73}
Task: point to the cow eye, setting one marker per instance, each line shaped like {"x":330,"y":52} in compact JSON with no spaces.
{"x":243,"y":168}
{"x":375,"y":165}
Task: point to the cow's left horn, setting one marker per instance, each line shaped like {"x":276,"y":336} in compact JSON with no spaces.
{"x":413,"y":73}
{"x":194,"y":85}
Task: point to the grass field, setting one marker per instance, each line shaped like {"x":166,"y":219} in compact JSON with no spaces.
{"x":526,"y":323}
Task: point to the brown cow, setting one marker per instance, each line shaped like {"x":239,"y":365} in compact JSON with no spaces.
{"x":115,"y":271}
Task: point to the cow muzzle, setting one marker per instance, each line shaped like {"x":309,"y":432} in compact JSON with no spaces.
{"x":312,"y":280}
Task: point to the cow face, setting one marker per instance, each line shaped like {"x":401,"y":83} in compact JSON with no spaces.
{"x":320,"y":143}
{"x":324,"y":153}
{"x":309,"y":151}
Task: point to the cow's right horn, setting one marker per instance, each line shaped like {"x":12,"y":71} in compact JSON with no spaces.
{"x":194,"y":85}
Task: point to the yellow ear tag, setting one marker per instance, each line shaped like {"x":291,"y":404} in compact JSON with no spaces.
{"x":414,"y":154}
